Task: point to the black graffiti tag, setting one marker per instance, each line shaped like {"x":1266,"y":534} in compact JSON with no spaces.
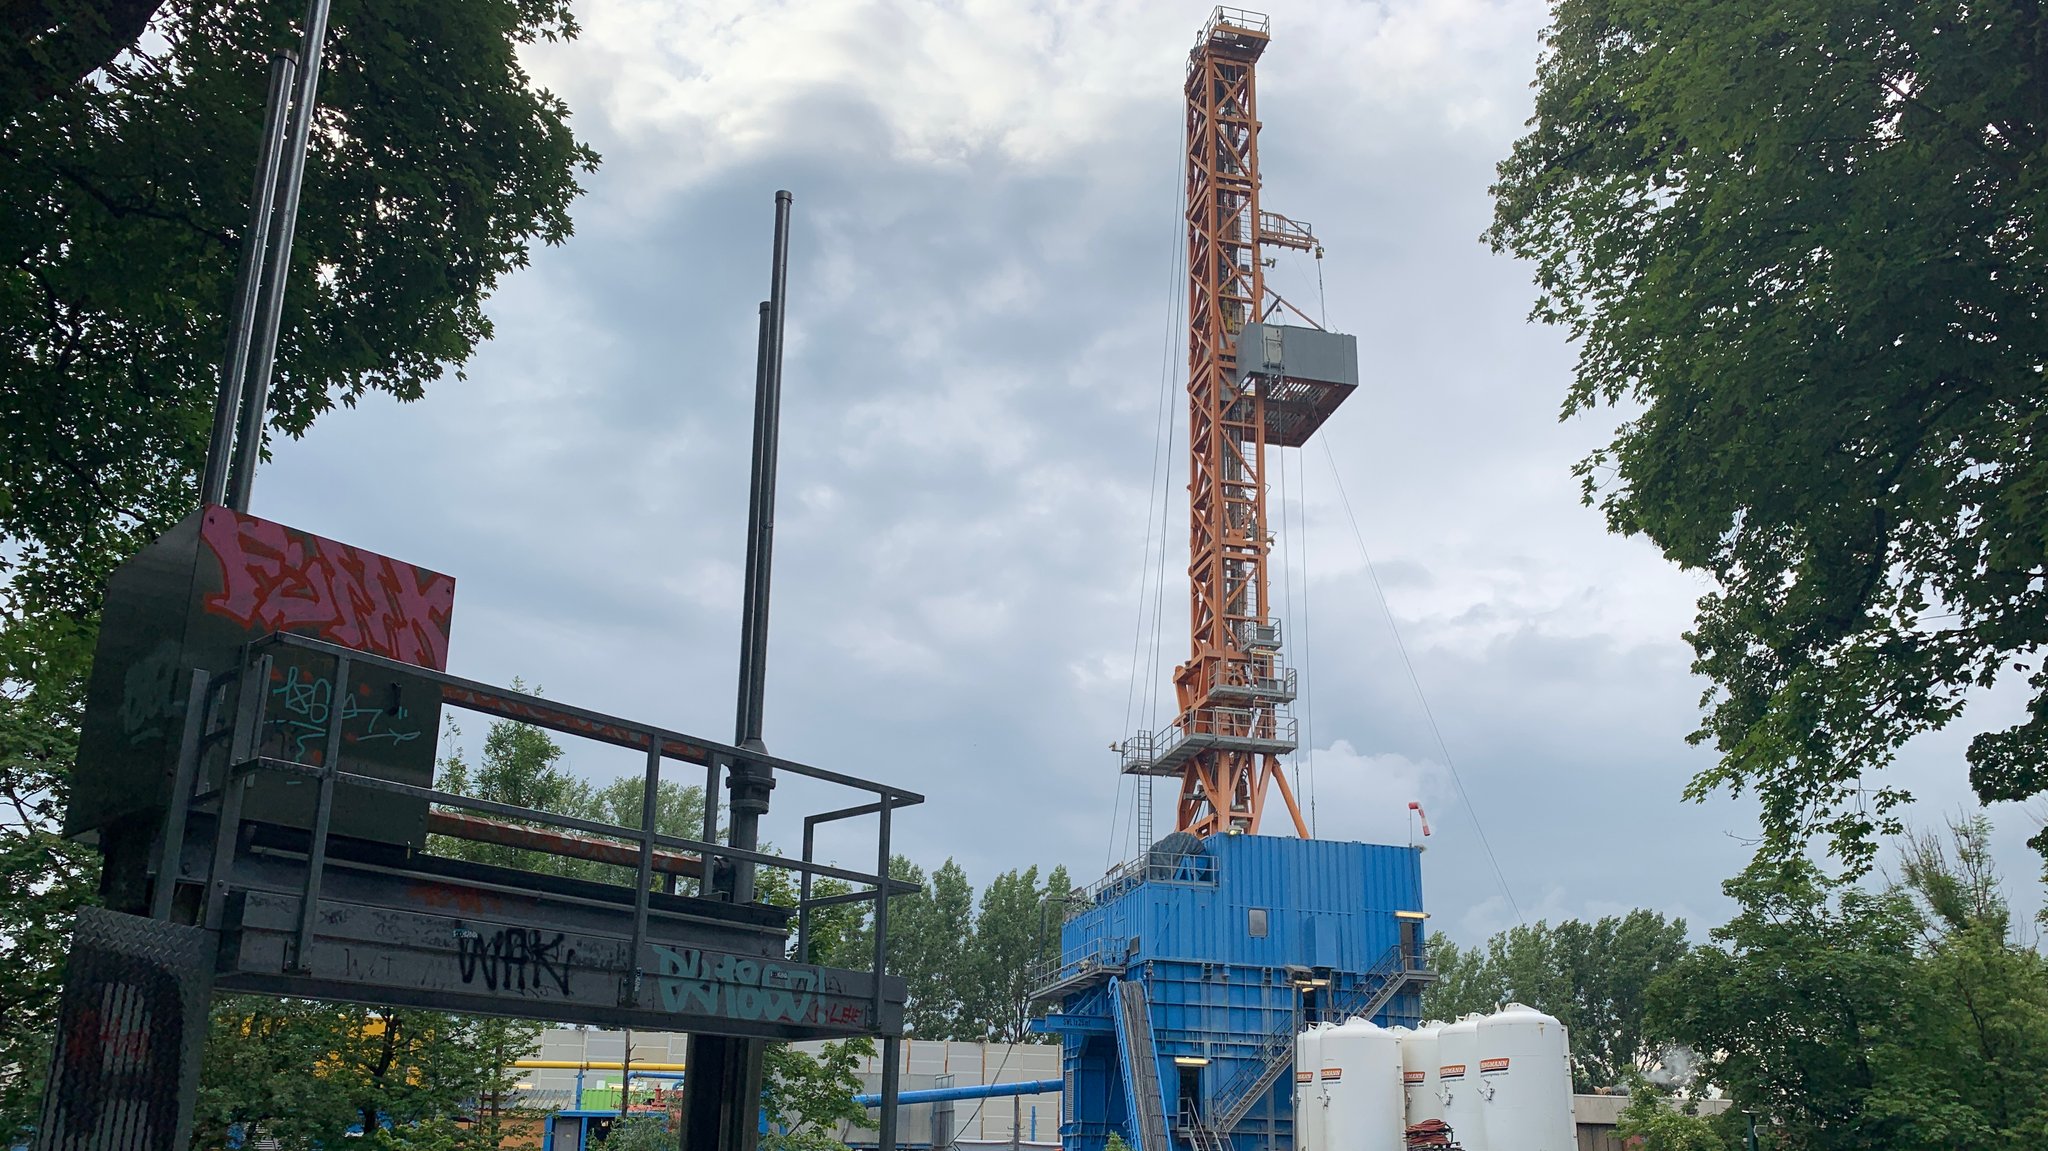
{"x":515,"y":959}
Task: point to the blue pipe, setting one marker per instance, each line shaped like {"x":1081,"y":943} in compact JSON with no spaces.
{"x":982,"y":1091}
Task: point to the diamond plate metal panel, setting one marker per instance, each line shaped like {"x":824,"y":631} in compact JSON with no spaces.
{"x":130,"y":1031}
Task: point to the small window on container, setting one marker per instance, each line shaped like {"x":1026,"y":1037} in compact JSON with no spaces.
{"x":1255,"y":922}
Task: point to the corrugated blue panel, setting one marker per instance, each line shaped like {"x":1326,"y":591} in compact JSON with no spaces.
{"x":1212,"y":944}
{"x":1323,"y":905}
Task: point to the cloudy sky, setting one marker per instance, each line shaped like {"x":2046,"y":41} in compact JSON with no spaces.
{"x":981,"y":318}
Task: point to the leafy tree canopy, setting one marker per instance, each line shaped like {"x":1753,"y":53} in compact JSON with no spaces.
{"x":303,"y":1073}
{"x":1800,"y":246}
{"x":1594,"y":977}
{"x":1651,"y":1123}
{"x":46,"y":46}
{"x":808,"y":1097}
{"x":1854,"y":1019}
{"x":125,"y":168}
{"x":435,"y":165}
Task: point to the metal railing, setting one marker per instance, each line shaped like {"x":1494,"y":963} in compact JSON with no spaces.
{"x":1264,"y":729}
{"x":1255,"y":636}
{"x":1242,"y":19}
{"x":1399,"y":967}
{"x":1252,"y":679}
{"x":243,"y":736}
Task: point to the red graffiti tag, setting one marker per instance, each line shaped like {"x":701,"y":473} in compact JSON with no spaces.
{"x":278,"y":579}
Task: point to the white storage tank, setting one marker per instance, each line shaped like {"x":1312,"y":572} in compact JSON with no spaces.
{"x":1419,"y":1065}
{"x":1526,"y":1075}
{"x":1308,"y":1095}
{"x":1361,"y":1077}
{"x":1458,"y":1087}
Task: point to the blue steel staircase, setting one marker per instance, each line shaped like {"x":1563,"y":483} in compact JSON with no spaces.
{"x":1397,"y":970}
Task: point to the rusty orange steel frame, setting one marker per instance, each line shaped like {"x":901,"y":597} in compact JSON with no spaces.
{"x":1234,"y":640}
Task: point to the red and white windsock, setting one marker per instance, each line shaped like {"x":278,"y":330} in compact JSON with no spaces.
{"x":1420,"y":814}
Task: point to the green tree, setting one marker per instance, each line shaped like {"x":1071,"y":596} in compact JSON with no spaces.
{"x":435,"y":166}
{"x":1015,"y":934}
{"x":1799,"y":244}
{"x":808,"y":1097}
{"x":930,"y":935}
{"x":1594,"y":977}
{"x":523,"y":765}
{"x":46,"y":46}
{"x":1465,"y":981}
{"x":1651,"y":1123}
{"x":45,"y":877}
{"x":303,"y":1073}
{"x":1852,"y":1018}
{"x":1790,"y":1012}
{"x":641,"y":1133}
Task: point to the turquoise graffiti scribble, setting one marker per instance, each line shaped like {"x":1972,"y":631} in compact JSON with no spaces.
{"x":309,"y":701}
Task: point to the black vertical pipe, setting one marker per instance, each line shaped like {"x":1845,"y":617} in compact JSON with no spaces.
{"x":213,"y":484}
{"x":748,"y":783}
{"x":722,"y":1095}
{"x":892,"y":1060}
{"x":263,"y":351}
{"x":747,"y":724}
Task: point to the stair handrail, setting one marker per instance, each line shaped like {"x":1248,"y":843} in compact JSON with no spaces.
{"x":1382,"y":981}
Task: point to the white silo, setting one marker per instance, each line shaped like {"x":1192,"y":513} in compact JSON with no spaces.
{"x":1525,"y":1068}
{"x":1458,"y":1086}
{"x":1308,"y":1095}
{"x":1361,"y":1076}
{"x":1419,"y":1065}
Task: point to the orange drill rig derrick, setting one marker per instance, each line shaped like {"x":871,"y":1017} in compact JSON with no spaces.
{"x":1233,"y":692}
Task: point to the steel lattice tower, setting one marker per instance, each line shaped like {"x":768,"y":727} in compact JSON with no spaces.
{"x":1233,"y":692}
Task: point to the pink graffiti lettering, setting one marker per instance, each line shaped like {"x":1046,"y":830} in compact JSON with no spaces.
{"x":278,"y":579}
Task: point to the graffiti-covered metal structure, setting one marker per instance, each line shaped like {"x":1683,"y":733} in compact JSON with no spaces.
{"x":257,"y":767}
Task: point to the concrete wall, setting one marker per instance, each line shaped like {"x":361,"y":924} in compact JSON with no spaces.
{"x":976,"y":1122}
{"x":1031,"y":1119}
{"x":1597,"y":1116}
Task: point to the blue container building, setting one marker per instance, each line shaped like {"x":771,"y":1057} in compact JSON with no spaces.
{"x":1185,"y":976}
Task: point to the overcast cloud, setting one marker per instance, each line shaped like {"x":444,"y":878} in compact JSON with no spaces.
{"x":982,"y":280}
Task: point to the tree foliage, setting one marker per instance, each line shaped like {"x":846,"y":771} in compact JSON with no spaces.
{"x":1650,"y":1122}
{"x":928,"y":946}
{"x":1016,"y":932}
{"x":435,"y":165}
{"x":969,"y":972}
{"x":304,"y":1073}
{"x":1594,"y":977}
{"x":46,"y":46}
{"x":1857,"y":1019}
{"x":523,"y":765}
{"x":1800,"y":247}
{"x":809,"y":1096}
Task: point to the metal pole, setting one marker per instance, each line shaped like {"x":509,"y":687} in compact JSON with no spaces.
{"x":172,"y":850}
{"x":213,"y":485}
{"x":323,"y":818}
{"x":803,"y":896}
{"x":749,"y":785}
{"x":891,"y":1088}
{"x":650,"y":809}
{"x":263,"y":350}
